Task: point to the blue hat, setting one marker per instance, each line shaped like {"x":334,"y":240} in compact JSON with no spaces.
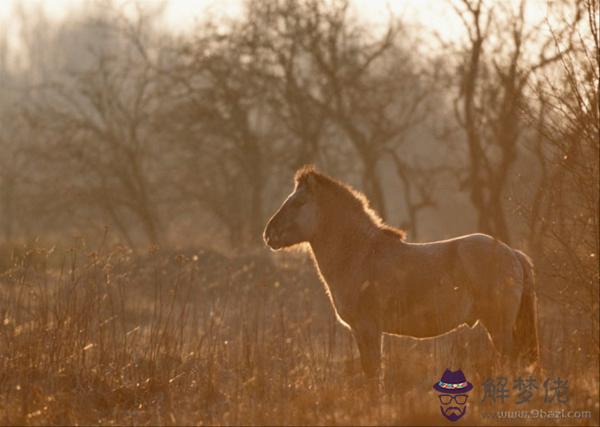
{"x":453,"y":383}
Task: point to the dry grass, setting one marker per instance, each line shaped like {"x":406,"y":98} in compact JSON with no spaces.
{"x":111,"y":338}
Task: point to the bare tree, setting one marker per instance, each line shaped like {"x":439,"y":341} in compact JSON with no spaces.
{"x":97,"y":142}
{"x":369,"y":87}
{"x":19,"y":70}
{"x":331,"y":74}
{"x":563,"y":217}
{"x":493,"y":77}
{"x":219,"y":99}
{"x":279,"y":29}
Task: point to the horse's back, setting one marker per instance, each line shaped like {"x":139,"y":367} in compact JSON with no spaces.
{"x":488,"y":264}
{"x":483,"y":254}
{"x":474,"y":240}
{"x":493,"y":274}
{"x":458,"y":280}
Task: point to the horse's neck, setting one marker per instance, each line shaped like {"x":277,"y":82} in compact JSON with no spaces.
{"x":339,"y":247}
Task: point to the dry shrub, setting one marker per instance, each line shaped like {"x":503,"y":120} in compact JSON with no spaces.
{"x":110,"y":337}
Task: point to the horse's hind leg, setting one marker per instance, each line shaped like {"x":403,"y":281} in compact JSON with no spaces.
{"x":368,"y":337}
{"x":502,"y":340}
{"x":500,"y":329}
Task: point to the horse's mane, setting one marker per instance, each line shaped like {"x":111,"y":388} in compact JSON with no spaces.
{"x":351,"y":197}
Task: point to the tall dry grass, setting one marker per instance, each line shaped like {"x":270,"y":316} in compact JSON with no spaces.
{"x":109,"y":337}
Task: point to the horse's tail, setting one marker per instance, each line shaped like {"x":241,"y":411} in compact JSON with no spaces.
{"x":525,"y":331}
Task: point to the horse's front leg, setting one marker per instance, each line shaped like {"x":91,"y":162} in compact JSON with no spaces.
{"x":368,"y":337}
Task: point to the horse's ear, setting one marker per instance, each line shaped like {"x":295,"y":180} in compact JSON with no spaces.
{"x":306,"y":177}
{"x":310,"y":181}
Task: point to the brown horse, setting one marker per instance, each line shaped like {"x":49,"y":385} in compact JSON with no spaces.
{"x":378,"y":283}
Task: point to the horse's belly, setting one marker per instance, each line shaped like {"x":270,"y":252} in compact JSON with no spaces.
{"x":430,"y":314}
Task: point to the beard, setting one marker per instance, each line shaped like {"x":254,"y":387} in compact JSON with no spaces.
{"x":453,"y":413}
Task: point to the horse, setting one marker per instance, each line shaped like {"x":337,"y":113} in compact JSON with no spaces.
{"x":378,"y":283}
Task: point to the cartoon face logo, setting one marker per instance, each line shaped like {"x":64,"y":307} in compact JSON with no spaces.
{"x":452,"y":391}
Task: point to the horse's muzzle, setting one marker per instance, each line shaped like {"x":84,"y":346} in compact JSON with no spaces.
{"x":271,"y":238}
{"x":273,"y":244}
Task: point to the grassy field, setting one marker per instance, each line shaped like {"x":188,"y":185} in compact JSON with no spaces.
{"x":194,"y":337}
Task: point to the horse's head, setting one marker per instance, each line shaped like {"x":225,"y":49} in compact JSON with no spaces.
{"x":296,"y":220}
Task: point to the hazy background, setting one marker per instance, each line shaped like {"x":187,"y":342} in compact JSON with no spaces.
{"x":147,"y":144}
{"x":52,"y":44}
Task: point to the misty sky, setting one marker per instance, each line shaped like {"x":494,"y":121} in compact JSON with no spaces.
{"x":180,"y":15}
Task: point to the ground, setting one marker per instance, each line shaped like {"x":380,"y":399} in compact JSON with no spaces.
{"x":195,"y":337}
